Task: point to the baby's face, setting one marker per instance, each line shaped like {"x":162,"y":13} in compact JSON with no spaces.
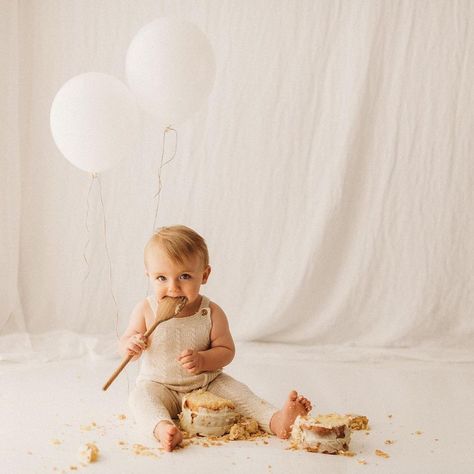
{"x":173,"y":279}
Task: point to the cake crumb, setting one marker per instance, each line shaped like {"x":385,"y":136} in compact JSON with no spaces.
{"x":90,"y":427}
{"x":140,"y":450}
{"x":350,"y":454}
{"x":382,"y":454}
{"x":89,"y":453}
{"x":389,"y":441}
{"x":56,"y":441}
{"x":358,"y":422}
{"x":418,"y":432}
{"x":122,"y":417}
{"x":362,"y":461}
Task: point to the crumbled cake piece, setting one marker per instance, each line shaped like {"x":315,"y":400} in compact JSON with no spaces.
{"x":358,"y":422}
{"x":237,"y":432}
{"x":244,"y":429}
{"x":381,"y":453}
{"x":89,"y":453}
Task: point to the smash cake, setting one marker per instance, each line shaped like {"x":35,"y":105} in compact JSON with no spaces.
{"x":206,"y":414}
{"x":330,"y":434}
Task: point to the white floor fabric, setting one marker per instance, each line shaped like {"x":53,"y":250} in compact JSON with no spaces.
{"x":48,"y":410}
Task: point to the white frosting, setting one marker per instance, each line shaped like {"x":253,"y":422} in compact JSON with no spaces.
{"x":309,"y":439}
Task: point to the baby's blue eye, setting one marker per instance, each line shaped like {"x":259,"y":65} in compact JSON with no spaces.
{"x":185,"y":276}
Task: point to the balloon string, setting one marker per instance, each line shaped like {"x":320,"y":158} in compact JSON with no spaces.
{"x":160,"y":182}
{"x":162,"y":165}
{"x":86,"y":245}
{"x":84,"y":253}
{"x":108,"y":258}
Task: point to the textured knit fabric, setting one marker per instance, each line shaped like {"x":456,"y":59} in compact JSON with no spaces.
{"x":159,"y":362}
{"x":152,"y":402}
{"x":162,"y":381}
{"x":246,"y":402}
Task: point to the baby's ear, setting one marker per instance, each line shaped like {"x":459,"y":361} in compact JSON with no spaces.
{"x":205,"y":276}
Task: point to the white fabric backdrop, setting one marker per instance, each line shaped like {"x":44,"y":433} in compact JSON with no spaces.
{"x":331,"y":172}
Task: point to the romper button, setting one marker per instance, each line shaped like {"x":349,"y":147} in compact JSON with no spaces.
{"x":204,"y":312}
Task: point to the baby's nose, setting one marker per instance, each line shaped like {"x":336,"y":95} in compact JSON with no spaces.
{"x":173,"y":287}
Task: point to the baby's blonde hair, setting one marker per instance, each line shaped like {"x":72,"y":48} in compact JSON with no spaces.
{"x":179,"y":243}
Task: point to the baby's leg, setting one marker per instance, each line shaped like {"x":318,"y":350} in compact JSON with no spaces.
{"x":246,"y":402}
{"x":153,"y":405}
{"x":271,"y":419}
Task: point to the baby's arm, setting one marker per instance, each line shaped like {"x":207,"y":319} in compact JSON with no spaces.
{"x":132,"y":341}
{"x":222,"y":348}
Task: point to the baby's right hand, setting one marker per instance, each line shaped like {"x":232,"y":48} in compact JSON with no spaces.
{"x":136,"y":344}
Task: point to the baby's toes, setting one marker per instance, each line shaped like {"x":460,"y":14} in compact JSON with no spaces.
{"x":306,"y":403}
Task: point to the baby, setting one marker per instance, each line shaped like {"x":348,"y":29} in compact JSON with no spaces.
{"x":189,"y":351}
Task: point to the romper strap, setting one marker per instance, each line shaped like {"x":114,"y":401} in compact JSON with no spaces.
{"x":204,"y":305}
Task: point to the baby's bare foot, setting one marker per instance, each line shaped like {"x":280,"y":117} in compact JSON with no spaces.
{"x":168,"y":435}
{"x":282,"y":420}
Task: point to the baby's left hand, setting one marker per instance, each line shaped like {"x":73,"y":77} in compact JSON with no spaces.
{"x":191,"y":360}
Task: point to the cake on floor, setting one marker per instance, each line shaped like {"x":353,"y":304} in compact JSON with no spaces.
{"x":330,"y":434}
{"x":206,"y":414}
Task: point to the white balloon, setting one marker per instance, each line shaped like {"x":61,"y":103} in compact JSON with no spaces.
{"x":170,"y":67}
{"x":95,"y":121}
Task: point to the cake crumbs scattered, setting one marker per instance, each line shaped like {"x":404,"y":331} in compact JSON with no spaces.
{"x":122,"y":417}
{"x":90,"y":427}
{"x":350,"y":454}
{"x":362,"y":461}
{"x":382,"y":454}
{"x":389,"y":441}
{"x":140,"y":450}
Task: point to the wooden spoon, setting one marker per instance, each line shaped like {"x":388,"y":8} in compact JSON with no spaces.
{"x":168,"y":308}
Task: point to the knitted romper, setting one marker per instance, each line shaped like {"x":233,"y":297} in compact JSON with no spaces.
{"x":162,"y":381}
